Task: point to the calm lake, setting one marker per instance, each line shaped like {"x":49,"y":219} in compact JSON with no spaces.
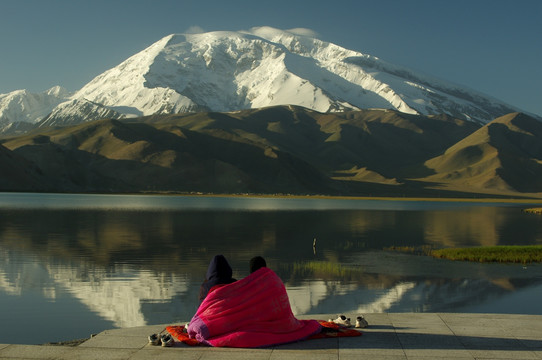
{"x":74,"y":265}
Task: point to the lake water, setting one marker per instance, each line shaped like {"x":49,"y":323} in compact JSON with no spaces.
{"x":73,"y":265}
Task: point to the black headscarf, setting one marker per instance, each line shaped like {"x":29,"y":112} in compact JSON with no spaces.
{"x":218,"y":272}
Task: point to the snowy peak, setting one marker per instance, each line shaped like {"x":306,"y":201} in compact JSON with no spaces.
{"x":21,"y":105}
{"x":125,"y":86}
{"x":229,"y":71}
{"x":58,"y":92}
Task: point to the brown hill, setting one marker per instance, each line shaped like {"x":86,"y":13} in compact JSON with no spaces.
{"x":110,"y":155}
{"x":18,"y":174}
{"x":287,"y":149}
{"x":503,"y":156}
{"x":388,"y":143}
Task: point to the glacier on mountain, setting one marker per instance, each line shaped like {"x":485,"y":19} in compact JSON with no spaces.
{"x":228,"y":71}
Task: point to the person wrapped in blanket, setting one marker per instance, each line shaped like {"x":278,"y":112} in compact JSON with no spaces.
{"x":251,"y":312}
{"x":219,"y":272}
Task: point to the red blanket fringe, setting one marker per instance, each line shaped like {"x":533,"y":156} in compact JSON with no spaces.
{"x":329,"y":330}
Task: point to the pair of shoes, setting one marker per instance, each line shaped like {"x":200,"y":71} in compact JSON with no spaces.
{"x":361,"y":322}
{"x":165,"y":340}
{"x":341,"y":320}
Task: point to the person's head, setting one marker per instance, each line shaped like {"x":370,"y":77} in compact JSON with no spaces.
{"x":256,"y":263}
{"x":219,"y":268}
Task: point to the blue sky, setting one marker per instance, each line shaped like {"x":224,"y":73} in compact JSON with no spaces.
{"x":492,"y":46}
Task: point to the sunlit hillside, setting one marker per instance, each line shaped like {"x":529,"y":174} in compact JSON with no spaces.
{"x":286,"y":150}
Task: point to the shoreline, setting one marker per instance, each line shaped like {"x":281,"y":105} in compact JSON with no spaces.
{"x":484,"y":199}
{"x":71,"y":343}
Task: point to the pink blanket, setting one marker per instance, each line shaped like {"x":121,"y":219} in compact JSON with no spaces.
{"x":252,"y":312}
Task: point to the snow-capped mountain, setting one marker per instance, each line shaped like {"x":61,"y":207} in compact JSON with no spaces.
{"x":21,"y":106}
{"x":228,"y":71}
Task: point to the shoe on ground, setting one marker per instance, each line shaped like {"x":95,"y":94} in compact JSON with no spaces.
{"x":167,"y":340}
{"x":154,"y":339}
{"x":342,"y":320}
{"x":361,"y":322}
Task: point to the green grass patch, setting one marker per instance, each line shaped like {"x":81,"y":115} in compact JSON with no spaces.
{"x":533,"y":211}
{"x":503,"y":254}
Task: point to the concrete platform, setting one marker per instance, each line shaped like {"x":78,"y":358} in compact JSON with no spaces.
{"x":389,"y":336}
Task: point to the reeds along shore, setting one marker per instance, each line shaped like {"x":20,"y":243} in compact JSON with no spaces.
{"x":534,"y":211}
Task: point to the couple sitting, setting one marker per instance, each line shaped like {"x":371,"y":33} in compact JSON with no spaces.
{"x":220,"y":273}
{"x":251,"y":312}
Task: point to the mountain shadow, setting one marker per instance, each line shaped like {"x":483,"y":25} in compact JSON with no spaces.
{"x":19,"y":174}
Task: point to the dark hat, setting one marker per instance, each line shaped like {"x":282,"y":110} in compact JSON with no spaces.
{"x":256,"y":263}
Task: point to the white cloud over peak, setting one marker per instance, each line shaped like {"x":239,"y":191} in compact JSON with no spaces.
{"x":304,"y":32}
{"x":194,"y":30}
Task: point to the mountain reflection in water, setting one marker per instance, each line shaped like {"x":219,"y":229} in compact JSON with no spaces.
{"x":73,"y":272}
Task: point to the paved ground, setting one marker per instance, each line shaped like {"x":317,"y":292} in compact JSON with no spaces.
{"x":389,"y":336}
